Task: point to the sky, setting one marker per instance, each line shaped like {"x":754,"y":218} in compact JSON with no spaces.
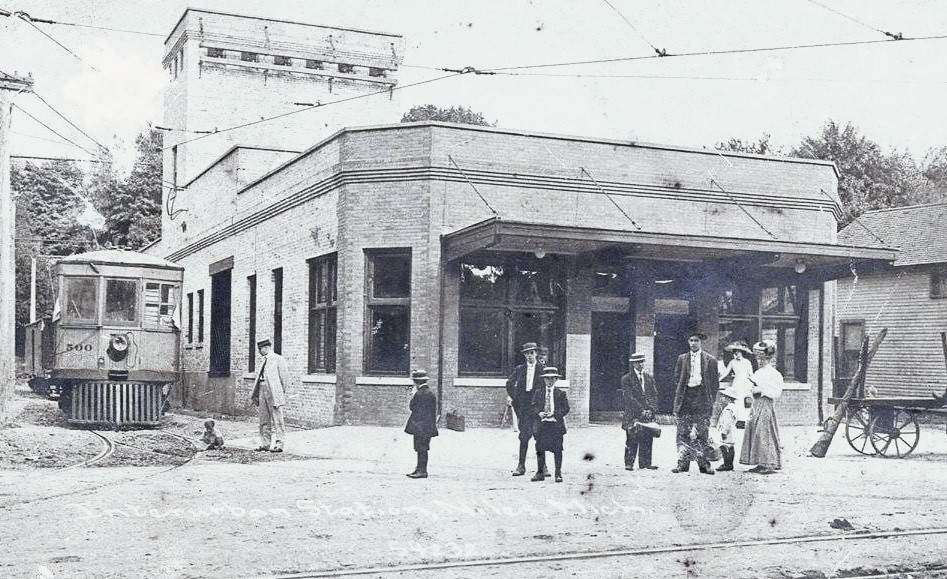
{"x":893,"y":91}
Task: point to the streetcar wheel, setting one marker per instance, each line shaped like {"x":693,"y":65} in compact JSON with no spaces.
{"x":894,"y":433}
{"x":857,"y":430}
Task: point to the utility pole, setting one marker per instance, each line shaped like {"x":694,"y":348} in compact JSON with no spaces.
{"x":10,"y":86}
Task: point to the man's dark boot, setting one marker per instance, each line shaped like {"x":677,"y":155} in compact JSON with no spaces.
{"x":540,"y":467}
{"x":521,"y":465}
{"x":558,"y":458}
{"x":629,"y":459}
{"x":421,"y":471}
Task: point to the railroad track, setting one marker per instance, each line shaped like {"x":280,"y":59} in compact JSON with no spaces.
{"x":108,"y":450}
{"x":639,"y":552}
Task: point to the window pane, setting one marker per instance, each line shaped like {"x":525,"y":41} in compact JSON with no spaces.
{"x":482,"y":281}
{"x":784,"y":334}
{"x":852,"y":336}
{"x":121,"y":301}
{"x":483,"y":339}
{"x":778,"y":300}
{"x":391,"y":276}
{"x":736,"y":300}
{"x":389,"y":339}
{"x":81,"y":304}
{"x":529,"y":285}
{"x":609,"y":282}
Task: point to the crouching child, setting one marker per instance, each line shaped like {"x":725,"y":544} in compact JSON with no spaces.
{"x":212,"y":437}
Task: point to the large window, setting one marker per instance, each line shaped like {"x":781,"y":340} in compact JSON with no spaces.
{"x":388,"y":316}
{"x":323,"y":297}
{"x":251,"y":323}
{"x":780,"y":313}
{"x":121,"y":302}
{"x":504,"y":302}
{"x":161,"y":300}
{"x":81,"y":300}
{"x":278,"y":310}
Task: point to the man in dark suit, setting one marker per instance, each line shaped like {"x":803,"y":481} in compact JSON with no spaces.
{"x":697,"y":381}
{"x":549,"y":406}
{"x":639,"y":399}
{"x":521,"y":384}
{"x":422,"y":423}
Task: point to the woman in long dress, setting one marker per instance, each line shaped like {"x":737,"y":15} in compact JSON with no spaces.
{"x":742,"y":369}
{"x":761,"y":439}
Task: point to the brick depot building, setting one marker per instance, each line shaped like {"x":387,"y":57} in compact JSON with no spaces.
{"x":380,"y":249}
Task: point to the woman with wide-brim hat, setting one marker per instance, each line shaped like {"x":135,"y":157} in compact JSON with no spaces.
{"x":761,"y":439}
{"x":741,"y":368}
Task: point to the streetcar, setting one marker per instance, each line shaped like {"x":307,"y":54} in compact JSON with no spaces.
{"x":111,"y":350}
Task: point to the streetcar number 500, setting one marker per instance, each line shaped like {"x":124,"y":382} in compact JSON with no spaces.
{"x":78,"y":347}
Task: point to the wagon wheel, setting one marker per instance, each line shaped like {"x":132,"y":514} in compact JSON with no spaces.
{"x":894,"y":432}
{"x":857,"y":430}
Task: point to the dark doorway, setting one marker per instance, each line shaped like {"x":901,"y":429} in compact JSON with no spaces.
{"x":611,"y":346}
{"x":220,"y":323}
{"x":670,"y":341}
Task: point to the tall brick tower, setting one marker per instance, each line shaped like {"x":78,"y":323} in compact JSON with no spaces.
{"x":228,"y":70}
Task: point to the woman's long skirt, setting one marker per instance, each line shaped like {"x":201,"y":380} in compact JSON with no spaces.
{"x":761,"y":439}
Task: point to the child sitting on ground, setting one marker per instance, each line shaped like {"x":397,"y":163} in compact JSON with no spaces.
{"x":212,"y":437}
{"x":726,"y":427}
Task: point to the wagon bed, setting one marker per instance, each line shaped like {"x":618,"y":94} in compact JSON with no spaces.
{"x":887,"y":426}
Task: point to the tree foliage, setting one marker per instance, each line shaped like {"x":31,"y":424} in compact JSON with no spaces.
{"x":458,"y":114}
{"x":55,"y":198}
{"x":870,"y":177}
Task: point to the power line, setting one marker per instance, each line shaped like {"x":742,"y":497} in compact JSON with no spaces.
{"x":318,"y":105}
{"x":107,"y":28}
{"x":63,"y":117}
{"x":713,"y":53}
{"x":26,"y":18}
{"x":53,"y":130}
{"x":39,"y":138}
{"x":720,"y":78}
{"x":897,"y":36}
{"x":659,"y":51}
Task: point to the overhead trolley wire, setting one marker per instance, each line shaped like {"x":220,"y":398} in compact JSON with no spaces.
{"x":63,"y":117}
{"x":658,"y":51}
{"x":53,"y":130}
{"x":713,"y":53}
{"x":308,"y":108}
{"x":26,"y":18}
{"x":897,"y":36}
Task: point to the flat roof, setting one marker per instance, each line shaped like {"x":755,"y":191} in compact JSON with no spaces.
{"x":229,"y":14}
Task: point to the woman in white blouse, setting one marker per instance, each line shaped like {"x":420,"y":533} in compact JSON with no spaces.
{"x":761,"y":439}
{"x":742,"y":369}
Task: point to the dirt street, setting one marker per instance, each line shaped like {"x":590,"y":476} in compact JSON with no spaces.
{"x":338,"y":502}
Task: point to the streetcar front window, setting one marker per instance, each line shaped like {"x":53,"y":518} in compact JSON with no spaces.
{"x":121,"y":301}
{"x":81,"y":303}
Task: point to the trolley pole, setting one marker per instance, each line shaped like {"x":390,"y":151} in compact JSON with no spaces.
{"x":10,"y":86}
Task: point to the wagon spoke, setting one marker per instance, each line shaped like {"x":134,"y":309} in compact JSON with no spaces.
{"x":857,"y":431}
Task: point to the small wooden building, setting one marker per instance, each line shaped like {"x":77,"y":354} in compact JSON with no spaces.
{"x":908,"y":298}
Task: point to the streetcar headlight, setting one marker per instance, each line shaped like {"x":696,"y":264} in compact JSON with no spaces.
{"x":119,"y":342}
{"x":118,"y":347}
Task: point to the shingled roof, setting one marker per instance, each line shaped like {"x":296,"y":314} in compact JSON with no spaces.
{"x":917,"y":232}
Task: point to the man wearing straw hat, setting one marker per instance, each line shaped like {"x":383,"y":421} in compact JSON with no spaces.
{"x":639,"y":399}
{"x":549,"y":406}
{"x":525,"y":379}
{"x":269,"y":393}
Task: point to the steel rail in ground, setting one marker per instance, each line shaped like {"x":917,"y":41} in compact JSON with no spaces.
{"x":558,"y":557}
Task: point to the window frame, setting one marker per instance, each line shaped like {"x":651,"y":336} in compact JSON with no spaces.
{"x":174,"y":304}
{"x":138,"y":307}
{"x":510,"y":308}
{"x":251,"y":321}
{"x":322,"y":348}
{"x":200,"y":316}
{"x":97,"y":312}
{"x":190,"y":317}
{"x":277,"y":276}
{"x":372,"y":304}
{"x":938,"y":288}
